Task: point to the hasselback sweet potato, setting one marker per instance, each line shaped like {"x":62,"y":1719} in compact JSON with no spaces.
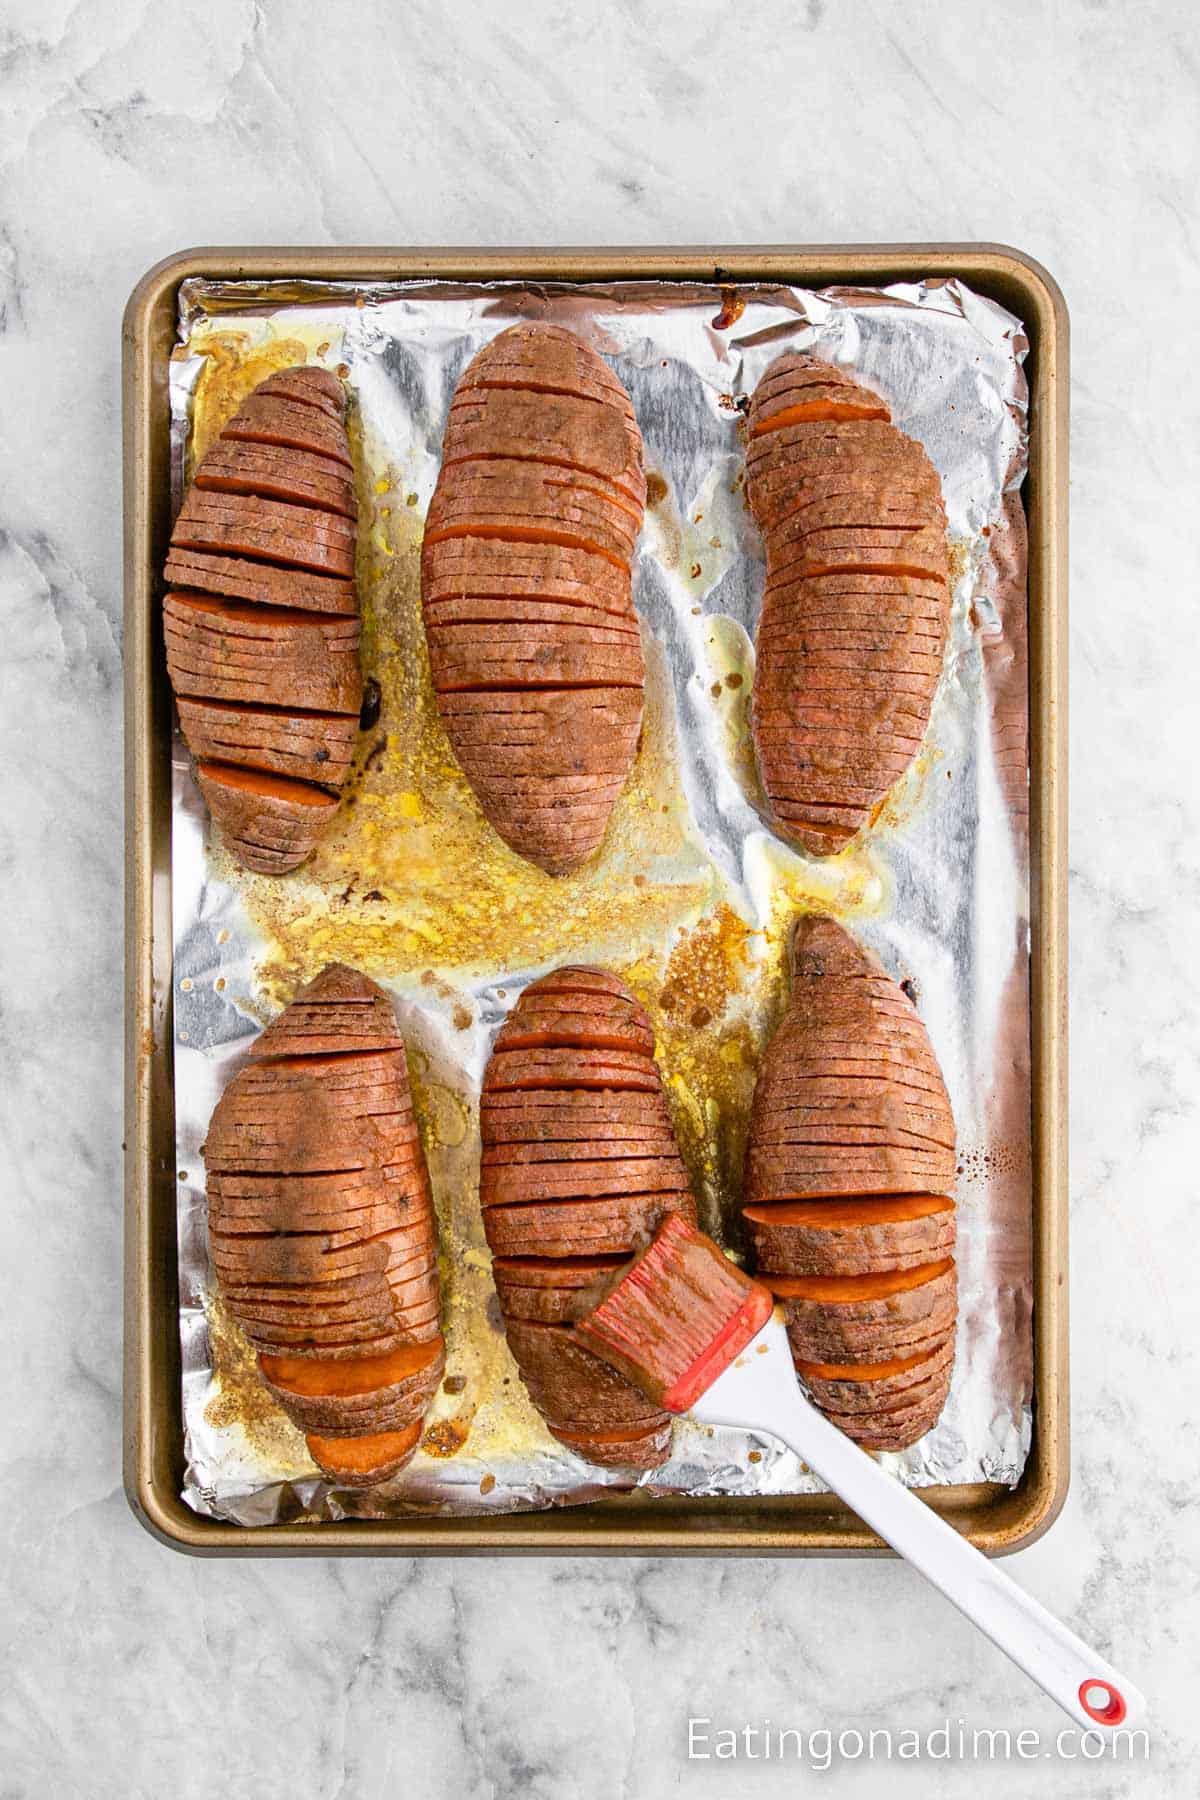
{"x":855,"y":613}
{"x":534,"y":645}
{"x":321,"y":1228}
{"x":848,"y":1207}
{"x":261,"y":619}
{"x":579,"y":1166}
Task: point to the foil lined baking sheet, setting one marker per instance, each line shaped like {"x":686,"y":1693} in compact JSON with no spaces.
{"x":691,"y":896}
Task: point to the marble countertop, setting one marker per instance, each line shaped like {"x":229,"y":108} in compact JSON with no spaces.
{"x":128,"y":132}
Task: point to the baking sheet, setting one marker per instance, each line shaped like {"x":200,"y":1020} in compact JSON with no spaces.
{"x":691,"y":896}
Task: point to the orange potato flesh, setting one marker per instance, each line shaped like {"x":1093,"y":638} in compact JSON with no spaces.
{"x":834,"y":1288}
{"x":254,"y":781}
{"x":354,"y":1375}
{"x":243,"y":612}
{"x":862,"y":1371}
{"x":817,"y":409}
{"x":889,"y":1209}
{"x":358,"y":1456}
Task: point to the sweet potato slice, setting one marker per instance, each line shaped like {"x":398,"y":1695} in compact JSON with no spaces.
{"x":847,"y":506}
{"x":496,"y":568}
{"x":546,"y":359}
{"x":321,"y":1226}
{"x":511,"y":1184}
{"x":362,"y":1462}
{"x":833,"y":1331}
{"x":267,"y":584}
{"x":853,"y":1237}
{"x":314,"y":747}
{"x":551,"y":1291}
{"x":535,"y":518}
{"x":225,"y":650}
{"x":302,"y":537}
{"x":849,"y":1171}
{"x":275,"y":418}
{"x":565,"y":1381}
{"x":296,"y":476}
{"x":636,"y":1447}
{"x":869,"y":1388}
{"x":271,"y":824}
{"x":618,"y":1224}
{"x":559,"y":429}
{"x":314,"y":386}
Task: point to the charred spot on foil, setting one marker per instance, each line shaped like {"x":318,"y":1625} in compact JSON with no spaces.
{"x":372,"y":703}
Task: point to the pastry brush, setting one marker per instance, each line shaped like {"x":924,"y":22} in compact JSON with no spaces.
{"x":685,"y":1325}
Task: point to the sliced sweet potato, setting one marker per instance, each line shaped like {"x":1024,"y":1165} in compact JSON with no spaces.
{"x":296,"y":476}
{"x":316,"y":387}
{"x":313,"y":747}
{"x":852,"y":1237}
{"x":275,"y":418}
{"x":579,"y":1166}
{"x":637,"y":1447}
{"x":321,"y":1226}
{"x":536,"y":517}
{"x":227,"y":650}
{"x":496,"y":568}
{"x":868,"y":1388}
{"x":549,"y":1290}
{"x":261,"y":618}
{"x":849,"y":1168}
{"x":271,"y":824}
{"x":850,"y":509}
{"x":545,"y":359}
{"x":266,"y":583}
{"x":509,"y":1184}
{"x":361,"y":1462}
{"x":616,"y":1225}
{"x":562,"y":429}
{"x":566,"y":1384}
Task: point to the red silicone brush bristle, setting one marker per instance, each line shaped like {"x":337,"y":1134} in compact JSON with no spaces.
{"x":677,"y":1317}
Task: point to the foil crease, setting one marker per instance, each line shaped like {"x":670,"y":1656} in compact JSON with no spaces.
{"x":690,"y":881}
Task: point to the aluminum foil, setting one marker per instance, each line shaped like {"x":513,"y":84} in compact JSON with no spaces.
{"x":690,"y":898}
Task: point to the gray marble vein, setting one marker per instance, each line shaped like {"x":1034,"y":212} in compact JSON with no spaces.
{"x":129,"y":130}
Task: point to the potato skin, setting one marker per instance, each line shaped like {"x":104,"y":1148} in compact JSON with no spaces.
{"x":534,"y":646}
{"x":579,"y":1166}
{"x":321,"y":1226}
{"x":260,"y":619}
{"x":850,"y":1168}
{"x":852,"y":633}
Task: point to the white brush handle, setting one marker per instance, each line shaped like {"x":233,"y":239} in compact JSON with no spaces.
{"x":760,"y":1391}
